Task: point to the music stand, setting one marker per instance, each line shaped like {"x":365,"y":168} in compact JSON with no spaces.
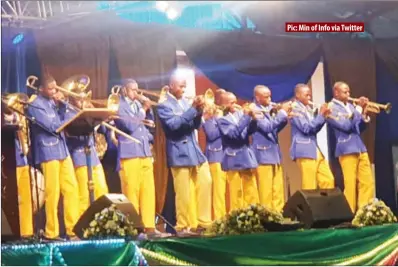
{"x":83,"y":124}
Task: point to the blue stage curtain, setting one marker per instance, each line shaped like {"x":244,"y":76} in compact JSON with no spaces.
{"x":386,"y":134}
{"x":239,"y":61}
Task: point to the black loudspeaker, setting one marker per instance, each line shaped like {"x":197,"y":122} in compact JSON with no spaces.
{"x":119,"y":200}
{"x":319,"y":208}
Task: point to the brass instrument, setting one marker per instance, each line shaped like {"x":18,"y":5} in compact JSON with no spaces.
{"x":16,"y":102}
{"x":78,"y":81}
{"x":210,"y":105}
{"x":374,"y":107}
{"x":113,"y":101}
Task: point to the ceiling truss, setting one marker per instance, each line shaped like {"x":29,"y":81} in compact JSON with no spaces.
{"x":41,"y":14}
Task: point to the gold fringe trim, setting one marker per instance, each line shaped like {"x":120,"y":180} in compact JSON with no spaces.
{"x":164,"y":258}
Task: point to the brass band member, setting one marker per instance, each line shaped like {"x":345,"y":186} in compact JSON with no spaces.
{"x":76,"y":146}
{"x":136,"y":162}
{"x":239,"y":161}
{"x":214,"y":154}
{"x":347,"y":123}
{"x":266,"y":148}
{"x":52,"y":153}
{"x":314,"y":168}
{"x":23,"y":181}
{"x":189,"y":166}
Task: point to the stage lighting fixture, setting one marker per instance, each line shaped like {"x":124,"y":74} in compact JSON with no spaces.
{"x":18,"y":38}
{"x":172,"y":13}
{"x":162,"y":5}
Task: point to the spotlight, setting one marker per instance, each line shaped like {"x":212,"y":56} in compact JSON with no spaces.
{"x":162,"y":5}
{"x":18,"y":38}
{"x":172,"y":13}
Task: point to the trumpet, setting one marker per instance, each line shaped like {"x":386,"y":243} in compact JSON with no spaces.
{"x":374,"y":107}
{"x":161,"y":96}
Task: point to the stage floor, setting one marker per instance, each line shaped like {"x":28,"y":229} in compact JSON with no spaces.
{"x":377,"y":245}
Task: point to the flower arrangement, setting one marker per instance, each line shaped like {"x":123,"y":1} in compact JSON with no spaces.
{"x":375,"y":212}
{"x":109,"y":223}
{"x":252,"y":219}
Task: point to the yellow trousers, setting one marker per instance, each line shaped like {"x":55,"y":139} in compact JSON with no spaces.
{"x":219,"y":190}
{"x":242,"y":188}
{"x":100,"y":186}
{"x":359,"y":184}
{"x":24,"y":201}
{"x":271,"y":186}
{"x":59,"y":177}
{"x":138,"y":185}
{"x":193,"y":187}
{"x":315,"y":173}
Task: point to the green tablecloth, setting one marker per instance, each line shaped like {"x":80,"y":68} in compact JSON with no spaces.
{"x":79,"y":253}
{"x":361,"y":246}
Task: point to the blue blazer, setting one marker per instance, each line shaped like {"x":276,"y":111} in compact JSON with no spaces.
{"x":129,"y":123}
{"x":304,"y":131}
{"x":76,"y":145}
{"x":236,"y":129}
{"x":347,"y":129}
{"x":46,"y":147}
{"x":214,"y":150}
{"x":20,"y":159}
{"x":265,"y":138}
{"x":179,"y":121}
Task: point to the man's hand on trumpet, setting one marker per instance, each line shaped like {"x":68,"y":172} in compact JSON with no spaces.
{"x":198,"y":102}
{"x":324,"y":110}
{"x":363,"y":101}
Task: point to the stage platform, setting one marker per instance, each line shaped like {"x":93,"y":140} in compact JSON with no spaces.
{"x":376,"y":245}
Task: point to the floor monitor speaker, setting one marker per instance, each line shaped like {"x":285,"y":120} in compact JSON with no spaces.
{"x":119,"y":200}
{"x":320,"y":208}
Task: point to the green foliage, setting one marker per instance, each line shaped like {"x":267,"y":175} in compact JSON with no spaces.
{"x":252,"y":219}
{"x":110,"y":222}
{"x":374,"y":213}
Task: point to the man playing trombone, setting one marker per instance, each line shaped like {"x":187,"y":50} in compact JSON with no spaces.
{"x":76,"y":146}
{"x":189,"y":166}
{"x":239,"y":161}
{"x":315,"y":170}
{"x":135,"y":159}
{"x":266,"y":148}
{"x":25,"y":208}
{"x":347,"y":122}
{"x":51,"y":152}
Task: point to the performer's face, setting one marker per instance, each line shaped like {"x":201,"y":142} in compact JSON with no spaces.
{"x":304,"y":95}
{"x":177,"y":88}
{"x":342,"y":92}
{"x":49,"y":89}
{"x":263,"y":96}
{"x":131,"y":90}
{"x":230,"y":102}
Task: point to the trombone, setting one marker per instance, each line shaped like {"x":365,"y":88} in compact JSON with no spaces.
{"x":373,"y":106}
{"x":113,"y":102}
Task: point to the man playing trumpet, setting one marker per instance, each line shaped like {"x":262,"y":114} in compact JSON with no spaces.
{"x":189,"y":166}
{"x":266,"y":148}
{"x":239,"y":161}
{"x":314,"y":168}
{"x":135,"y":159}
{"x":347,"y":123}
{"x":214,"y":153}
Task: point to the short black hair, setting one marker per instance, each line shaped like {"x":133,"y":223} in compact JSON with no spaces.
{"x":299,"y":86}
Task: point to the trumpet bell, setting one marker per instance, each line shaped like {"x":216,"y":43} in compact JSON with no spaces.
{"x":76,"y":83}
{"x":209,"y":97}
{"x":388,"y":108}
